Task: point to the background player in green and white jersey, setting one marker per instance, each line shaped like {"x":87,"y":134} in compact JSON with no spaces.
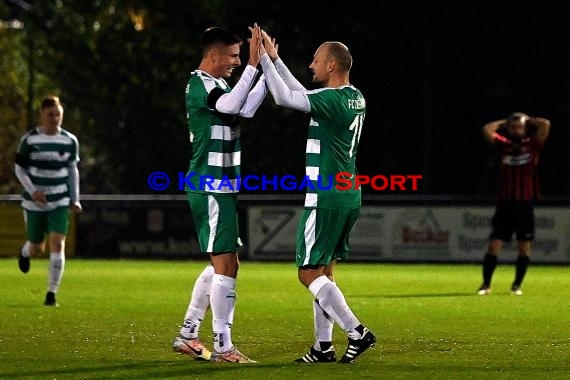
{"x":213,"y":111}
{"x":337,"y":113}
{"x":46,"y":166}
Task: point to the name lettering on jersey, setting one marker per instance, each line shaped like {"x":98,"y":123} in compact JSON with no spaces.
{"x":521,"y":159}
{"x":356,"y":104}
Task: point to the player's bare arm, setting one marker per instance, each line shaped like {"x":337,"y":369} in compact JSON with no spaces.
{"x":542,"y":127}
{"x":490,"y":130}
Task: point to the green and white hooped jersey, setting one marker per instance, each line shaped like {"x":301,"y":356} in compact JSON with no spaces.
{"x":337,"y":116}
{"x":46,"y":159}
{"x":215,"y":139}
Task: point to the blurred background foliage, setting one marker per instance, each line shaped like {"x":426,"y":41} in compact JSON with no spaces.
{"x":432,"y":73}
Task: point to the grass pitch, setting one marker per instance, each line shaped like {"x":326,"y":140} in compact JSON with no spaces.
{"x":118,"y":318}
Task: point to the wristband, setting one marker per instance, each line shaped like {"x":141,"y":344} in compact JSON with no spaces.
{"x":499,"y":138}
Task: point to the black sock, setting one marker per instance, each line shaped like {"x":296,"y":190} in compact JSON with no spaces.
{"x":324,"y":345}
{"x":360,"y":329}
{"x":489,"y":265}
{"x":522,"y":265}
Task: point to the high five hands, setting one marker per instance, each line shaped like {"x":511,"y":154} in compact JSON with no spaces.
{"x":269,"y":45}
{"x":255,"y":44}
{"x":261,"y":43}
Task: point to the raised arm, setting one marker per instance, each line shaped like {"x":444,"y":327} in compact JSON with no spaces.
{"x":271,"y":48}
{"x":233,"y":102}
{"x":254,"y":98}
{"x":490,"y":131}
{"x":282,"y":94}
{"x":542,"y":127}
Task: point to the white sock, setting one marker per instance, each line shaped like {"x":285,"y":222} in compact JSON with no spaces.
{"x":323,"y":326}
{"x":199,"y":303}
{"x":26,"y":249}
{"x":222,"y":302}
{"x":56,"y":267}
{"x":334,"y":304}
{"x":350,"y":318}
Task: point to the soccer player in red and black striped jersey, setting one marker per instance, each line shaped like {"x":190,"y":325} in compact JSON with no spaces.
{"x":520,"y":139}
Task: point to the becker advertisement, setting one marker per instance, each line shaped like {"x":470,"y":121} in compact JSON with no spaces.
{"x":429,"y":234}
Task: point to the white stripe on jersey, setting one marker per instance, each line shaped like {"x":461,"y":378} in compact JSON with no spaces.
{"x":224,"y":159}
{"x":33,"y":206}
{"x":48,"y":190}
{"x":311,"y":199}
{"x":310,"y":228}
{"x":42,"y":138}
{"x":312,"y":172}
{"x":50,"y":156}
{"x":213,"y":214}
{"x":313,"y":146}
{"x":221,"y":132}
{"x":48,"y":173}
{"x":226,"y":188}
{"x":210,"y":82}
{"x":313,"y":123}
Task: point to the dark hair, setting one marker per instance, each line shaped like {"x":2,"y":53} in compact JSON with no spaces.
{"x":50,"y":101}
{"x":217,"y":36}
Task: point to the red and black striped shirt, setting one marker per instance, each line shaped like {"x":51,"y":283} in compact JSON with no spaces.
{"x":519,"y":180}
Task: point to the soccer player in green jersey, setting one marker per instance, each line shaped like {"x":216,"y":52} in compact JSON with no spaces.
{"x":46,"y":166}
{"x":213,"y":111}
{"x":337,"y":113}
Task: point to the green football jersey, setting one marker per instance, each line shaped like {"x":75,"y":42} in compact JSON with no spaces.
{"x":215,"y":138}
{"x":337,"y":116}
{"x":46,"y":159}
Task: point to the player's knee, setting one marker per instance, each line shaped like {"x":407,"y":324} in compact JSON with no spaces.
{"x":57,"y":246}
{"x":308,"y":273}
{"x":524,"y":248}
{"x":226,"y":263}
{"x":495,"y":246}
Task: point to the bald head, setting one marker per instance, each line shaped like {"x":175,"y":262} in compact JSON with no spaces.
{"x":516,"y":123}
{"x":339,"y":52}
